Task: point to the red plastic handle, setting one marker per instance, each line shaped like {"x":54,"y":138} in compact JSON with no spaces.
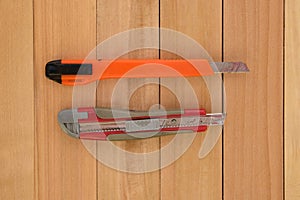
{"x":92,"y":117}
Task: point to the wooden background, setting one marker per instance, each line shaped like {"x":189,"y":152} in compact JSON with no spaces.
{"x":257,"y":155}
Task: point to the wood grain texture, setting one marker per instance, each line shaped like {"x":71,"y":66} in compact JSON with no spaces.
{"x":253,"y":137}
{"x":292,"y":100}
{"x":16,"y":102}
{"x":39,"y":161}
{"x":114,"y":17}
{"x":64,"y":168}
{"x":190,"y":177}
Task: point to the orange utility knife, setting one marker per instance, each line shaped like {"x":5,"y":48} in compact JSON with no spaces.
{"x":80,"y":72}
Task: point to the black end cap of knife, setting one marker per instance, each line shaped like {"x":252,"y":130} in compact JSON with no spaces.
{"x":53,"y":71}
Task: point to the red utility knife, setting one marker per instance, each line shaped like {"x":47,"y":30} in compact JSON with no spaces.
{"x":109,"y":124}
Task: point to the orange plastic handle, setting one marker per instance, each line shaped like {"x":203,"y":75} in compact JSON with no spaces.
{"x":107,"y":69}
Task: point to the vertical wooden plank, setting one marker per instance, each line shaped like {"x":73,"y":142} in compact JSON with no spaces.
{"x":62,"y":30}
{"x":253,"y":145}
{"x":190,"y":177}
{"x":16,"y":103}
{"x":292,"y":99}
{"x":114,"y":17}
